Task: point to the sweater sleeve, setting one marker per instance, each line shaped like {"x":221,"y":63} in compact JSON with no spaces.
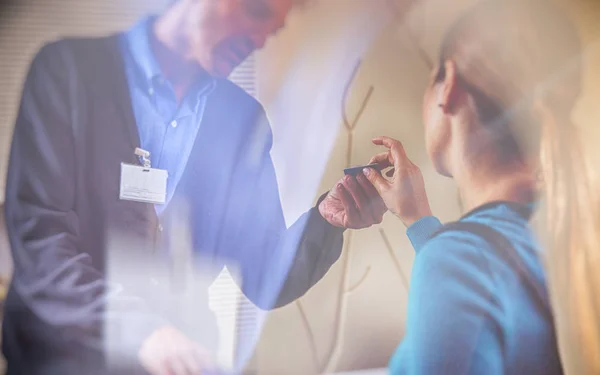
{"x":453,"y":324}
{"x":421,"y":230}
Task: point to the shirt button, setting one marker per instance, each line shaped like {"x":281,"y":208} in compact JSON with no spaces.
{"x":151,"y":91}
{"x":174,"y":123}
{"x":160,"y":227}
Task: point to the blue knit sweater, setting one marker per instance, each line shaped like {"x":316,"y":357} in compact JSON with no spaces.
{"x":468,"y":311}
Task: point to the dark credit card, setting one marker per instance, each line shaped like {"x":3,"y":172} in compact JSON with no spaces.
{"x":356,"y":170}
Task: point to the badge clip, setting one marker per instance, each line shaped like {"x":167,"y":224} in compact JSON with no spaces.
{"x":143,"y":157}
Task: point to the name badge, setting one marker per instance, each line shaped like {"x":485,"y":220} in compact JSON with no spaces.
{"x":143,"y":184}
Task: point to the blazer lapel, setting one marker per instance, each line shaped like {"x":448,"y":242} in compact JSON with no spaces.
{"x":118,"y":80}
{"x":117,"y":86}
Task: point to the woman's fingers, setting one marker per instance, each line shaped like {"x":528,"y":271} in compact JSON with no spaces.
{"x":404,"y":194}
{"x":384,"y":160}
{"x":397,"y":153}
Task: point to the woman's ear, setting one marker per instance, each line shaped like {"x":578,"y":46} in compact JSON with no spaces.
{"x":448,"y":88}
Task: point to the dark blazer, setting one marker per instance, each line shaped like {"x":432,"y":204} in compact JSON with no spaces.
{"x":66,"y":223}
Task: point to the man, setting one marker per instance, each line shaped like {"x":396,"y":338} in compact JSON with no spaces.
{"x":88,"y":247}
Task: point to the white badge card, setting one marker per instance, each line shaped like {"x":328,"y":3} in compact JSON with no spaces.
{"x":141,"y":184}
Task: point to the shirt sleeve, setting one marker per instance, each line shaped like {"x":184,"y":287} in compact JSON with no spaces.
{"x":453,"y":324}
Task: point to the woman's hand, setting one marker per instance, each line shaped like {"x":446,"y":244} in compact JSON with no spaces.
{"x":404,"y":193}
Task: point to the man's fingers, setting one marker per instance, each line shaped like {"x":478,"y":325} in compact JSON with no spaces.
{"x":176,"y":366}
{"x":376,"y":204}
{"x":190,"y":359}
{"x":204,"y":357}
{"x":193,"y":362}
{"x":169,"y":352}
{"x":358,"y":196}
{"x":159,"y":366}
{"x":348,"y":204}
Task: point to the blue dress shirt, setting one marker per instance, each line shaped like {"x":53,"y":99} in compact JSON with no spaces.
{"x":167,"y":129}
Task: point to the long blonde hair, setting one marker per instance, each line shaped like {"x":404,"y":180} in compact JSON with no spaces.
{"x":522,"y":58}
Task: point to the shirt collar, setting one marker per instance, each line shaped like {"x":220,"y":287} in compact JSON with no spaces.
{"x":139,"y":43}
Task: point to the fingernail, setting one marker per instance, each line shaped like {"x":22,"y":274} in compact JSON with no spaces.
{"x":367,"y":171}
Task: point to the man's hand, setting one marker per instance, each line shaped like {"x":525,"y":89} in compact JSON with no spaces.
{"x":167,"y":351}
{"x":404,"y":193}
{"x":353,"y":203}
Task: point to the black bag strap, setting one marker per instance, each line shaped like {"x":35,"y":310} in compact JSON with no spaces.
{"x":508,"y":253}
{"x":523,"y":210}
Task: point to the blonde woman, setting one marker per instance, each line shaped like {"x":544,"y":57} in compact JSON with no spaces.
{"x":497,"y":120}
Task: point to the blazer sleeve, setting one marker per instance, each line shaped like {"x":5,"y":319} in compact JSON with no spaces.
{"x":278,"y":264}
{"x":318,"y":246}
{"x":54,"y":278}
